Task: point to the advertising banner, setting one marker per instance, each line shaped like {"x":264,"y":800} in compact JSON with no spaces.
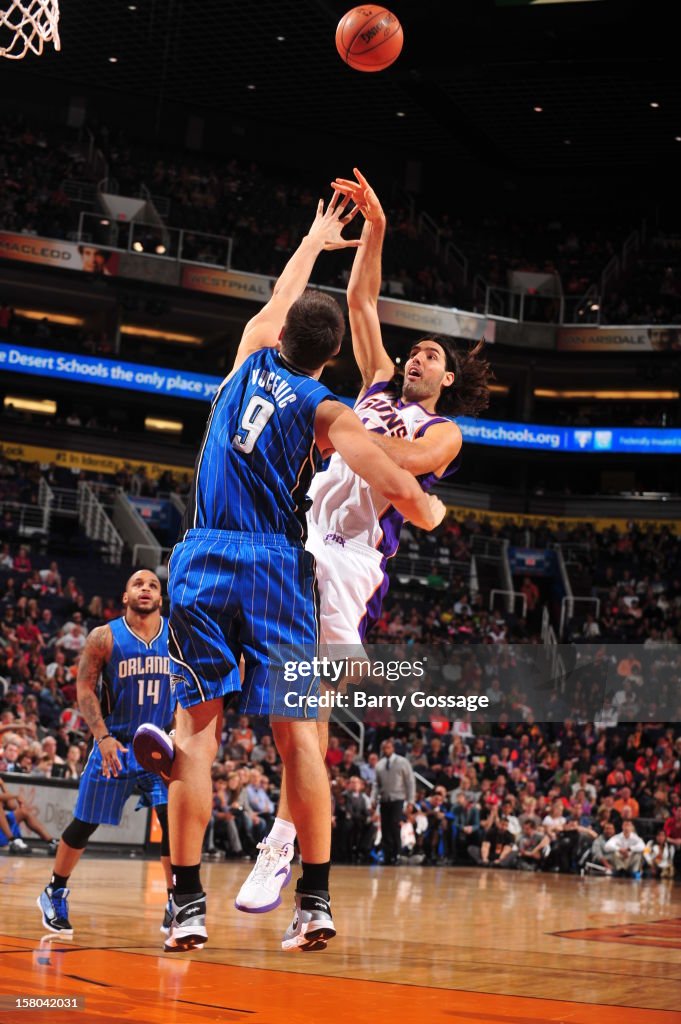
{"x":111,"y":373}
{"x":91,"y":461}
{"x":57,"y":253}
{"x":619,"y":339}
{"x":180,"y":384}
{"x":53,"y":804}
{"x":613,"y":440}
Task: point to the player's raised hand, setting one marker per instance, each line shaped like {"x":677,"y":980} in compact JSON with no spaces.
{"x":362,"y":194}
{"x":327,"y":227}
{"x":108,"y":749}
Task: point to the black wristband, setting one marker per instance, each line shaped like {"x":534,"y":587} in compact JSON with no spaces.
{"x":106,"y":736}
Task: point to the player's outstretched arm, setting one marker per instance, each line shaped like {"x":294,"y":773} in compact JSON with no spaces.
{"x":96,"y":653}
{"x":263,"y":330}
{"x":431,"y":453}
{"x":364,"y":286}
{"x":338,"y":429}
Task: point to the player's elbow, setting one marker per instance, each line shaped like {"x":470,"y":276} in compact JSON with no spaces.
{"x":360,"y":303}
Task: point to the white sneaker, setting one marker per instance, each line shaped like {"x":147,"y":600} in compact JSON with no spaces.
{"x":271,"y":873}
{"x":18,"y":846}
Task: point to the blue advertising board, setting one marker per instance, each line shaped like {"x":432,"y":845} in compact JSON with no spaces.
{"x":114,"y":373}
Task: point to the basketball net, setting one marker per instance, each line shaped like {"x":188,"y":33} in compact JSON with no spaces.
{"x":27,"y":25}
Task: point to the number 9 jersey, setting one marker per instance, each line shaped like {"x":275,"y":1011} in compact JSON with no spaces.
{"x":136,"y":681}
{"x":240,"y":581}
{"x":258,"y":454}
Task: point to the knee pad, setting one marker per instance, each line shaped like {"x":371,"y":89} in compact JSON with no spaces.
{"x":77,"y":834}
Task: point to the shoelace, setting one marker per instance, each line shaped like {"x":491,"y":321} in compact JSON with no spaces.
{"x":268,"y":858}
{"x":61,"y":906}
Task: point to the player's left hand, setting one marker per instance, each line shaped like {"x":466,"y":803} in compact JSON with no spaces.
{"x":328,"y":224}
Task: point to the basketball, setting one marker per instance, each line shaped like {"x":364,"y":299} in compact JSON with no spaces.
{"x":369,"y":38}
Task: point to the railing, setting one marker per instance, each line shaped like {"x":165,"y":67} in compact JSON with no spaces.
{"x":83,"y":192}
{"x":158,"y":554}
{"x":30,"y":520}
{"x":97,"y":525}
{"x":511,"y":597}
{"x":420,"y":567}
{"x":611,"y":273}
{"x":488,"y":547}
{"x":134,"y":530}
{"x":452,"y":254}
{"x":156,"y":240}
{"x":567,"y":609}
{"x":424,"y":782}
{"x":160,"y":203}
{"x":631,"y":246}
{"x":562,"y":571}
{"x":65,"y":501}
{"x":586,"y":309}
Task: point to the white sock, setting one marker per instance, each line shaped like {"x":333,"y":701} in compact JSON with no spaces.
{"x":283,"y":833}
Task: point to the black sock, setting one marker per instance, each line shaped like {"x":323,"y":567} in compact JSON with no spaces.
{"x":186,"y":879}
{"x":315,"y":879}
{"x":170,"y":894}
{"x":58,"y":881}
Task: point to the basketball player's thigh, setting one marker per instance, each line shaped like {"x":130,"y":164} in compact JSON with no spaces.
{"x":100,"y":800}
{"x":347,"y":584}
{"x":204,"y":591}
{"x":279,"y":632}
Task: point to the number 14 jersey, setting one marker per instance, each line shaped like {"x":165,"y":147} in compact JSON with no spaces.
{"x":136,"y":681}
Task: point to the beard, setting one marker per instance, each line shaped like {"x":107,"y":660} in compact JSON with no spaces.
{"x":417,"y":390}
{"x":144,"y":609}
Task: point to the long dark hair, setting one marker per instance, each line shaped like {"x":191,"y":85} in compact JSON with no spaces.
{"x":470,"y":393}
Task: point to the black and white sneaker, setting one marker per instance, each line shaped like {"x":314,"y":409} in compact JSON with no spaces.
{"x":167,"y":918}
{"x":19,"y":848}
{"x":312,"y":925}
{"x":54,"y":906}
{"x":187,"y":924}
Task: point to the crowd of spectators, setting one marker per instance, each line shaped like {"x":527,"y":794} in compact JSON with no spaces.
{"x":265,"y":211}
{"x":583,"y":777}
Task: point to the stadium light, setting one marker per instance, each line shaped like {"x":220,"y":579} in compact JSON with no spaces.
{"x":46,"y":406}
{"x":612,"y":395}
{"x":163,"y":426}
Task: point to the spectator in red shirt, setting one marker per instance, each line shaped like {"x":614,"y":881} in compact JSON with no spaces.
{"x":334,"y":754}
{"x":22,"y":563}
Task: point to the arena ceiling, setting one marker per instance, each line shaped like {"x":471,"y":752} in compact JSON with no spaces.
{"x":466,"y":84}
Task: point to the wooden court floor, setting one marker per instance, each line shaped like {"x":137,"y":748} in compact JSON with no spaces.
{"x":432,"y":945}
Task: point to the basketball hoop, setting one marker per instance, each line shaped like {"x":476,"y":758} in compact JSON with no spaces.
{"x":27,"y":25}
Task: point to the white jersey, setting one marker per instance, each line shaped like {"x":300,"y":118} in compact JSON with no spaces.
{"x":343,"y":504}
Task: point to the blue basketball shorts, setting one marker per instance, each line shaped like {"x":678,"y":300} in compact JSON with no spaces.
{"x":14,"y":829}
{"x":101,"y":800}
{"x":234,"y":594}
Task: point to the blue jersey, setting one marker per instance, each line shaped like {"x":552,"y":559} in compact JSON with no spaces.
{"x":136,"y":681}
{"x":258,"y":453}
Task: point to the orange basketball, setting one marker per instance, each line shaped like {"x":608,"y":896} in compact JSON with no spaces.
{"x":369,"y":38}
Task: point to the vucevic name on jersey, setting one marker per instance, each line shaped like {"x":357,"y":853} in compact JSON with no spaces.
{"x":258,"y":452}
{"x":136,"y":680}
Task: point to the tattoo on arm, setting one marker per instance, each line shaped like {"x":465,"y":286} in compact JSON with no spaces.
{"x":95,"y":655}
